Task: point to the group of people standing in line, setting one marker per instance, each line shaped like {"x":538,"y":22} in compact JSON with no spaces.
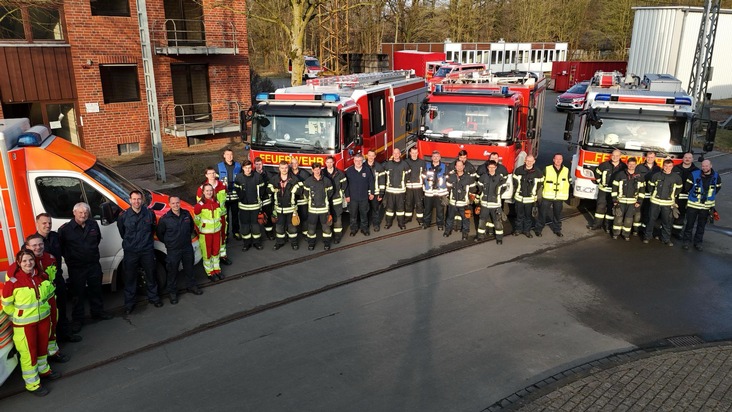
{"x":632,"y":197}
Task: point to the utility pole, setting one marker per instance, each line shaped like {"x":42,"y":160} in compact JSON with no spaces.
{"x":701,"y":69}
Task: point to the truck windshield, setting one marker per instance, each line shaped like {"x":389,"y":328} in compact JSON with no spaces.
{"x":656,"y":134}
{"x":314,"y":134}
{"x":116,"y":183}
{"x":469,"y":122}
{"x":443,"y":71}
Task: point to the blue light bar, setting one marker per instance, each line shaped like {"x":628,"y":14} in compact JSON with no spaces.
{"x":603,"y":97}
{"x":262,"y":96}
{"x":331,"y":97}
{"x":684,"y":101}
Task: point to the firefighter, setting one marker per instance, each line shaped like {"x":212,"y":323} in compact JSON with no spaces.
{"x":52,"y":244}
{"x":414,"y":203}
{"x":491,"y":186}
{"x":207,"y":217}
{"x":227,"y":171}
{"x":359,"y":192}
{"x":648,"y":169}
{"x":665,"y":189}
{"x":554,"y":193}
{"x":468,"y":167}
{"x":175,"y":230}
{"x":25,"y":297}
{"x":460,"y":186}
{"x":377,"y":169}
{"x":339,"y":182}
{"x":46,"y":264}
{"x":136,"y":227}
{"x":604,"y":178}
{"x":396,"y":173}
{"x":704,"y":185}
{"x":302,"y":203}
{"x":250,"y":189}
{"x":684,"y":169}
{"x":527,"y":183}
{"x":281,"y":187}
{"x":317,"y":191}
{"x":80,"y":238}
{"x":266,"y":199}
{"x":220,"y":194}
{"x":628,"y":193}
{"x":434,"y":183}
{"x":500,"y":168}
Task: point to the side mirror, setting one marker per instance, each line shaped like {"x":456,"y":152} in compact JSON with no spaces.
{"x":711,"y":136}
{"x":356,"y":129}
{"x":568,"y":127}
{"x":110,"y":212}
{"x":532,"y":115}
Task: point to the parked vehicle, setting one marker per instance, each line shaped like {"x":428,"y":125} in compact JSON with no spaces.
{"x":424,"y":64}
{"x":568,"y":73}
{"x":634,"y":116}
{"x":452,"y":69}
{"x":312,"y":68}
{"x":336,"y":116}
{"x":489,"y":112}
{"x":574,"y":98}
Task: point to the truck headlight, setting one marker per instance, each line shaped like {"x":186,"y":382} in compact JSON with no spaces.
{"x":586,"y":173}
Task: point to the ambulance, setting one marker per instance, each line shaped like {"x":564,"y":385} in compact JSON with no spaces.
{"x":336,"y":116}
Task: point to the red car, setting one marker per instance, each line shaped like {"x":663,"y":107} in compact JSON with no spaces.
{"x":574,"y":98}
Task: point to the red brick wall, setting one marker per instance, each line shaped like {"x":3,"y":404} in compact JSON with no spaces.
{"x":104,"y":39}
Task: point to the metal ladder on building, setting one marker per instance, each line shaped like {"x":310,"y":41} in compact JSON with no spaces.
{"x":361,"y":79}
{"x":150,"y":91}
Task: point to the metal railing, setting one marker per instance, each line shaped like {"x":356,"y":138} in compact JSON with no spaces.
{"x":204,"y":118}
{"x":179,"y":33}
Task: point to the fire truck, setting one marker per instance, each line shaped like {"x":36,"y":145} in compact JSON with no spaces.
{"x":632,"y":115}
{"x":336,"y":116}
{"x":483,"y":112}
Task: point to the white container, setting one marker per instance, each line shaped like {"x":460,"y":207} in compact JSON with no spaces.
{"x":664,"y":41}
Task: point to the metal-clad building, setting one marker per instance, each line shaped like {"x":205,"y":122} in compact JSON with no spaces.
{"x":664,"y":40}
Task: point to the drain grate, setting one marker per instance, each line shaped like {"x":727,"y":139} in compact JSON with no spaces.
{"x":681,"y":341}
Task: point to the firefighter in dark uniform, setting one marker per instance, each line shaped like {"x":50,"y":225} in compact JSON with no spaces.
{"x":269,"y":229}
{"x":648,"y":169}
{"x":302,"y":204}
{"x":491,"y":186}
{"x":359,"y":192}
{"x":434,"y":184}
{"x":684,"y":169}
{"x":52,"y":245}
{"x":500,"y":168}
{"x":665,"y":189}
{"x":340,"y":184}
{"x":136,"y":227}
{"x":175,"y":229}
{"x":469,"y":168}
{"x":414,"y":203}
{"x":604,"y":178}
{"x":317,"y":190}
{"x":227,"y":172}
{"x":281,"y":187}
{"x":377,"y":169}
{"x":396,"y":173}
{"x":704,"y":185}
{"x":527,"y":181}
{"x":460,"y":186}
{"x":554,"y":193}
{"x":629,"y":188}
{"x":250,"y":190}
{"x":80,"y":238}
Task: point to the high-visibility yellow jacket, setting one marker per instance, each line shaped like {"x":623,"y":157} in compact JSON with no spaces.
{"x":25,"y":296}
{"x":207,"y":216}
{"x":556,"y":183}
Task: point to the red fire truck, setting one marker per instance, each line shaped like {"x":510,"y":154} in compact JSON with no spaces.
{"x":485,"y":112}
{"x":635,"y":116}
{"x":336,"y":116}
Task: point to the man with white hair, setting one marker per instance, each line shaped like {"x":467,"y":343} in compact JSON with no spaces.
{"x":80,"y":238}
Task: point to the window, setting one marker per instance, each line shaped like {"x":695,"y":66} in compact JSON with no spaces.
{"x":45,"y":24}
{"x":127,"y":148}
{"x":60,"y":194}
{"x":377,"y":115}
{"x":110,"y":7}
{"x":11,"y":23}
{"x":120,"y":83}
{"x":348,"y":137}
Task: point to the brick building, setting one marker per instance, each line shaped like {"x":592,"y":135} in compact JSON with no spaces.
{"x":77,"y":65}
